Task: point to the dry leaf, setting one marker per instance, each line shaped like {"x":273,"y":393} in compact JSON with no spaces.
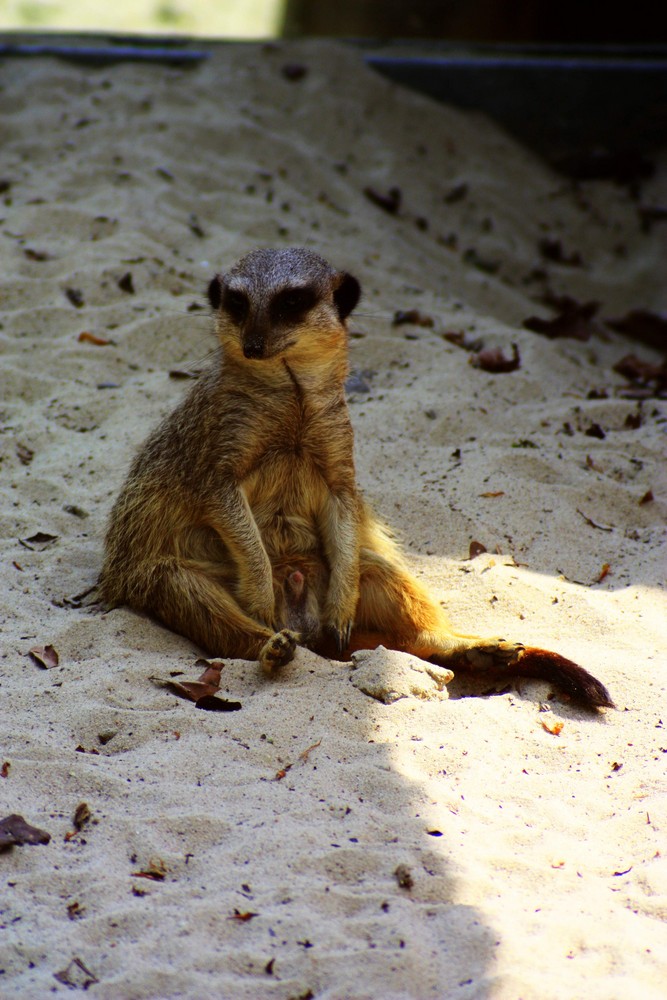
{"x":492,"y":359}
{"x":552,"y":249}
{"x":641,"y":324}
{"x":91,"y":338}
{"x":476,"y":549}
{"x":390,"y":202}
{"x":40,"y":540}
{"x":75,"y":910}
{"x":493,"y":493}
{"x":15,"y":830}
{"x":306,"y":753}
{"x":75,"y":296}
{"x":37,"y":255}
{"x":202,"y":691}
{"x":242,"y":917}
{"x":126,"y":284}
{"x":294,"y":71}
{"x":412,"y":316}
{"x":575,"y":320}
{"x":642,"y":372}
{"x":155,"y":870}
{"x":82,"y":815}
{"x":404,"y":877}
{"x":605,"y":571}
{"x":44,"y":656}
{"x":24,"y":454}
{"x":76,"y":975}
{"x":593,"y":524}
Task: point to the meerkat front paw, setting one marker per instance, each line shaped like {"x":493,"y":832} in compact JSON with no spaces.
{"x":339,"y":621}
{"x":278,"y":650}
{"x":339,"y":633}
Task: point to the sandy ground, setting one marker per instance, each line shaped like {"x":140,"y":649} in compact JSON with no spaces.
{"x":533,"y":863}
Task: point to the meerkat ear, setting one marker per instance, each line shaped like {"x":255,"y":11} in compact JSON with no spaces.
{"x":347,"y":295}
{"x":215,"y":292}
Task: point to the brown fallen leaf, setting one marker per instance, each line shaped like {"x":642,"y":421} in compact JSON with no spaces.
{"x":492,"y":359}
{"x":457,"y":193}
{"x":305,"y":754}
{"x":242,"y":917}
{"x":459,"y":338}
{"x":44,"y":656}
{"x":75,"y":910}
{"x":76,"y":975}
{"x":15,"y":831}
{"x":552,"y":249}
{"x":4,"y":770}
{"x":553,"y":726}
{"x":126,"y":283}
{"x":476,"y":549}
{"x":604,"y":572}
{"x":92,"y":338}
{"x":294,"y":71}
{"x":642,"y":324}
{"x":574,"y":321}
{"x":75,"y":296}
{"x":594,"y":524}
{"x":648,"y":497}
{"x":642,"y":372}
{"x":24,"y":454}
{"x":37,"y":255}
{"x":389,"y":202}
{"x":202,"y":691}
{"x":155,"y":870}
{"x":493,"y":493}
{"x":404,"y":877}
{"x":412,"y":316}
{"x":40,"y":540}
{"x":82,"y":815}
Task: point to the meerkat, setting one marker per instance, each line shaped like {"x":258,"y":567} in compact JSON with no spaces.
{"x":240,"y":524}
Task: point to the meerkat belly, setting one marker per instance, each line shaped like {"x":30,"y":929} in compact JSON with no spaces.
{"x":286,"y":495}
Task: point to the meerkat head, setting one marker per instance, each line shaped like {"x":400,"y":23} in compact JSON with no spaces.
{"x":282,"y":303}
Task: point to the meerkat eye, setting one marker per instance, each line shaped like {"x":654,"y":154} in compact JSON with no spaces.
{"x":236,"y":304}
{"x":293,"y":303}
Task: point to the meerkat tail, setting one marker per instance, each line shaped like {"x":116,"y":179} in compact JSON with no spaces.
{"x":564,"y":674}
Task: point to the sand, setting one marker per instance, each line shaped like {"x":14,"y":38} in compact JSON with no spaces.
{"x":319,"y":843}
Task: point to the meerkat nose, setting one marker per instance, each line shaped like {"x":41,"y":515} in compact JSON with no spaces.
{"x":253,"y":349}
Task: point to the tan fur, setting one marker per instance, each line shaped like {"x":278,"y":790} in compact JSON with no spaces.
{"x":240,"y":524}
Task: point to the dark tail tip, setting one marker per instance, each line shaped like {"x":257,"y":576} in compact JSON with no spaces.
{"x":566,"y":675}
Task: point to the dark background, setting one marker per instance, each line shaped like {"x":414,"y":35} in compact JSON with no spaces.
{"x":509,"y":21}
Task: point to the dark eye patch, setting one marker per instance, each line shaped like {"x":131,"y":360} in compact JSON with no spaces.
{"x":236,"y":304}
{"x":292,"y":304}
